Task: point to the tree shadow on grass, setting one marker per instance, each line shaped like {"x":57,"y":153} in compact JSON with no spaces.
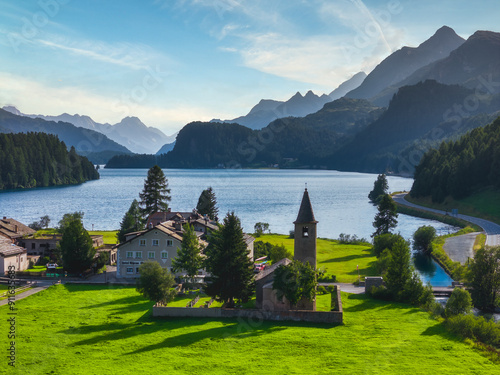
{"x":372,"y":304}
{"x":346,"y":258}
{"x":120,"y":301}
{"x":235,"y":330}
{"x":440,"y":330}
{"x":93,"y":287}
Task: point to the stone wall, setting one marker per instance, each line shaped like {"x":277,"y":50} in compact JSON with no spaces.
{"x":373,"y":281}
{"x":326,"y":317}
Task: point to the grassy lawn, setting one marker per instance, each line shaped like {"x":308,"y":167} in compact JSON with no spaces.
{"x":337,"y":259}
{"x":484,"y":204}
{"x":109,"y":236}
{"x":84,"y":329}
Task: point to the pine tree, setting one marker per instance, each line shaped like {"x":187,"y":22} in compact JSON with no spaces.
{"x":380,"y":188}
{"x":76,"y":247}
{"x":207,"y":204}
{"x":386,"y":218}
{"x":229,"y":264}
{"x":131,"y":221}
{"x":188,"y":257}
{"x":155,"y":194}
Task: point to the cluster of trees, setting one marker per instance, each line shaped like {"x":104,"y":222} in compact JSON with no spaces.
{"x":154,"y":197}
{"x":460,"y":168}
{"x":39,"y":160}
{"x":274,"y":252}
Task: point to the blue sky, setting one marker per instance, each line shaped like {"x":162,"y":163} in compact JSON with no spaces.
{"x":170,"y":62}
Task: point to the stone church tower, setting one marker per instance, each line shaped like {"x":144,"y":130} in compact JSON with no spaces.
{"x":305,"y":233}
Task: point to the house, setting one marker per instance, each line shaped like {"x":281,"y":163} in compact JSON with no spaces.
{"x":159,"y":243}
{"x":14,"y":230}
{"x":12,"y":255}
{"x":44,"y":245}
{"x":304,"y":251}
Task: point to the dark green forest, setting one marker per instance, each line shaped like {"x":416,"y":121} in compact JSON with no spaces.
{"x":39,"y":160}
{"x":460,"y":168}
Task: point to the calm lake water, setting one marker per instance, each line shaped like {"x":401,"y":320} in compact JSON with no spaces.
{"x":339,"y":201}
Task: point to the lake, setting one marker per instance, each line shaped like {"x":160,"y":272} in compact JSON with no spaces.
{"x":339,"y":200}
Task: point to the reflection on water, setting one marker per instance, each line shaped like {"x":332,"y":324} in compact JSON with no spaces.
{"x":430,"y":271}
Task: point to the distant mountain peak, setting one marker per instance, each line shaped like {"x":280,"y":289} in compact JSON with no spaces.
{"x":12,"y":109}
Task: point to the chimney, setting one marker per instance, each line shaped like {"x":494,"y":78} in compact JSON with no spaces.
{"x":15,"y":228}
{"x":169,"y":210}
{"x":5,"y":217}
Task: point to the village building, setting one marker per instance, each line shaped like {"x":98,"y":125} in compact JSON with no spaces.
{"x":304,"y":251}
{"x":161,"y":241}
{"x":12,"y":255}
{"x":14,"y":230}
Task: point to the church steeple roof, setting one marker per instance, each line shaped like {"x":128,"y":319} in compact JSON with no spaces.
{"x":306,"y":214}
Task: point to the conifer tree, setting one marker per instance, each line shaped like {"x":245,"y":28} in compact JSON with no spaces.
{"x":76,"y":246}
{"x":386,"y":217}
{"x":188,"y":257}
{"x":131,"y":221}
{"x":380,"y":187}
{"x":207,"y":204}
{"x":155,"y":194}
{"x":229,"y":263}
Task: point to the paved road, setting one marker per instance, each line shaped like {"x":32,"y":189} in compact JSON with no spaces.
{"x":491,"y":229}
{"x":348,"y":288}
{"x":460,"y":248}
{"x":41,"y":285}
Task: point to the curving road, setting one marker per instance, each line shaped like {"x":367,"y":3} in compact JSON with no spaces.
{"x":491,"y":229}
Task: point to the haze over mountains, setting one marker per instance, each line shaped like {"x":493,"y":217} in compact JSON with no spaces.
{"x":130,"y":132}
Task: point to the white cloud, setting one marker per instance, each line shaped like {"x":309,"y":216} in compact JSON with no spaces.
{"x":35,"y":98}
{"x":132,"y":56}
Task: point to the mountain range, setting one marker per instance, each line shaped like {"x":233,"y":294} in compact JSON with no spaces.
{"x":359,"y":134}
{"x":129,"y":132}
{"x":404,"y":62}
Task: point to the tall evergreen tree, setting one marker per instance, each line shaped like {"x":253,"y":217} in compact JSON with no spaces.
{"x":188,"y":257}
{"x":76,"y":247}
{"x":131,"y":221}
{"x":380,"y":188}
{"x":386,"y":217}
{"x":229,"y":263}
{"x":207,"y":204}
{"x":485,"y":278}
{"x":155,"y":195}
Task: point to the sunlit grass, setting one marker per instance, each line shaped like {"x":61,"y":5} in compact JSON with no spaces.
{"x":84,"y":329}
{"x":336,"y":259}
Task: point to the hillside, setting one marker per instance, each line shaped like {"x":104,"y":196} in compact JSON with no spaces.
{"x":288,"y":142}
{"x":462,"y":168}
{"x":84,"y":140}
{"x":405,"y":61}
{"x":40,"y":160}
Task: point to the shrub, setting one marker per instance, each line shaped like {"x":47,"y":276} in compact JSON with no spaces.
{"x":322,"y":290}
{"x":382,"y":242}
{"x":42,"y":261}
{"x":468,"y":326}
{"x":353,"y":240}
{"x":460,"y":302}
{"x":380,"y":292}
{"x":423,"y":237}
{"x":435,"y":308}
{"x":292,"y":234}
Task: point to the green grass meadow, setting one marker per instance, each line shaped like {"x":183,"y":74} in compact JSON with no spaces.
{"x":336,"y":259}
{"x":84,"y":329}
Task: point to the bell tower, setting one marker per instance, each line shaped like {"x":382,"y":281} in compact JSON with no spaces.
{"x":305,"y":233}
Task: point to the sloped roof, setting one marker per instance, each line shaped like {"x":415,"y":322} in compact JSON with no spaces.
{"x":8,"y":249}
{"x":306,"y":214}
{"x":268,"y":271}
{"x":8,"y":228}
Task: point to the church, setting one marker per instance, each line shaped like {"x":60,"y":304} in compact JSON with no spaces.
{"x":304,"y":251}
